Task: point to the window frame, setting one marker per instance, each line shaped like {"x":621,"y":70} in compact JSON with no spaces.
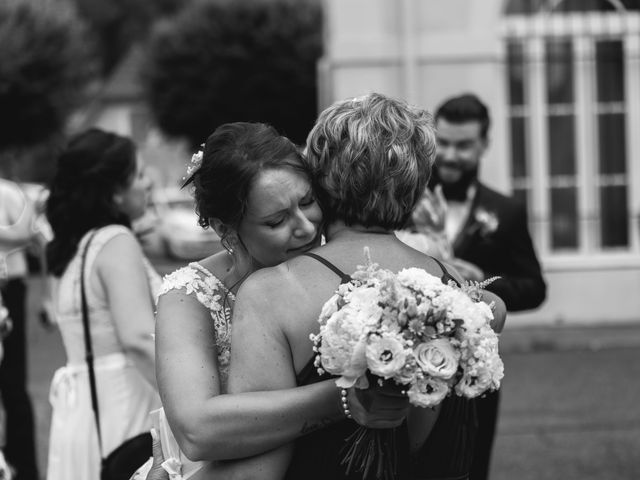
{"x":584,"y":30}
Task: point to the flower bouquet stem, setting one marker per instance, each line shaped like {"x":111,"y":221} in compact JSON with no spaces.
{"x":371,"y":452}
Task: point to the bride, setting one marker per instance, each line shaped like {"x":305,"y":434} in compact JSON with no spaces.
{"x":250,"y":185}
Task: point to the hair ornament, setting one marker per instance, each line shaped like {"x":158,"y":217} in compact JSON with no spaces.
{"x":196,"y":161}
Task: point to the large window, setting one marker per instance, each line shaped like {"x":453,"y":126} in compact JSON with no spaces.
{"x":573,"y":76}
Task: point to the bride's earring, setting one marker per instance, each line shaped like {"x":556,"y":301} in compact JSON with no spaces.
{"x":227,"y":237}
{"x":228,"y":244}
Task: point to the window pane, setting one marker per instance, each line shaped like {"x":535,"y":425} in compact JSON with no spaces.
{"x":561,"y":145}
{"x":585,"y":6}
{"x":533,"y":6}
{"x":614,"y":227}
{"x":559,"y":57}
{"x":564,"y":218}
{"x":612,"y":148}
{"x":518,"y":148}
{"x":524,"y":6}
{"x":610,"y":71}
{"x":520,"y":194}
{"x":515,"y":64}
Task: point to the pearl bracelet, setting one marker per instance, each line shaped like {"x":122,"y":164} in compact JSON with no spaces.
{"x":345,"y":403}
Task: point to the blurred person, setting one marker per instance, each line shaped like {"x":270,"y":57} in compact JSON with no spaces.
{"x":251,"y":187}
{"x":388,"y":147}
{"x":485,"y":232}
{"x":6,"y":473}
{"x":99,"y":188}
{"x":16,"y":233}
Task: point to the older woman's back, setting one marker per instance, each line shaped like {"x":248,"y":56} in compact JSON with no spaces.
{"x":304,"y":284}
{"x":370,"y":158}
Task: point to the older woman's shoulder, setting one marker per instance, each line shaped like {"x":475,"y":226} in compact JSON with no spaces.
{"x":270,"y":289}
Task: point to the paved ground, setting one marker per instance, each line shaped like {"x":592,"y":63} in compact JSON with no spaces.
{"x":570,"y":406}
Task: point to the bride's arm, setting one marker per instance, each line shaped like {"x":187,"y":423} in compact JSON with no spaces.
{"x":210,"y":426}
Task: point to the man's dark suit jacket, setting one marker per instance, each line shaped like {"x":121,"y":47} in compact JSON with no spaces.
{"x":506,"y":251}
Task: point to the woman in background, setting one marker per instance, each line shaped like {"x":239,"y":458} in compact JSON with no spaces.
{"x":99,"y":188}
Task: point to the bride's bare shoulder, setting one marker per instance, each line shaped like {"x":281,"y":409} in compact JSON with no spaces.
{"x":218,"y":264}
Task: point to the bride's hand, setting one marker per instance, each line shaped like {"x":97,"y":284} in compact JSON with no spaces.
{"x":377,"y":407}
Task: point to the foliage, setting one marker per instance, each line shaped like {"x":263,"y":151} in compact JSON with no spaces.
{"x":118,"y":24}
{"x":45,"y":65}
{"x":224,"y":61}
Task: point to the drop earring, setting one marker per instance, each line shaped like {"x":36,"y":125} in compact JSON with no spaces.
{"x":227,"y":245}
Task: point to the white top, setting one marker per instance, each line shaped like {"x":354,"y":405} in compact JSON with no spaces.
{"x":69,"y":305}
{"x":14,"y":213}
{"x":457,"y":215}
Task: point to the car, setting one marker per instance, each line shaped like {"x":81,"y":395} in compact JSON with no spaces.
{"x":177,"y":226}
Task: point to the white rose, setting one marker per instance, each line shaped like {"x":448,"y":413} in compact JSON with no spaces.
{"x":484,"y":376}
{"x":364,"y":303}
{"x":420,"y":279}
{"x":386,"y":354}
{"x":342,"y":349}
{"x":428,"y":392}
{"x":329,"y":308}
{"x":437,"y":358}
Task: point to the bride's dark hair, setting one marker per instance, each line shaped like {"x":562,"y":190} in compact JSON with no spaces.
{"x":90,"y":170}
{"x":233,"y":156}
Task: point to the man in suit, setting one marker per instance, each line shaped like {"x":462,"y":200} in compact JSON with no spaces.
{"x":486,"y":232}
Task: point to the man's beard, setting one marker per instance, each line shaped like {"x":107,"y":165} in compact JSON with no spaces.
{"x":458,"y":190}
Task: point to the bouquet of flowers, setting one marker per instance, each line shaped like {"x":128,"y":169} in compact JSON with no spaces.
{"x":410,"y":330}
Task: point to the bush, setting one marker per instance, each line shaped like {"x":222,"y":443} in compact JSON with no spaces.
{"x":45,"y":64}
{"x":224,"y":61}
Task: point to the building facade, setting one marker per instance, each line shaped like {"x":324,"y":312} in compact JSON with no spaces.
{"x":562,"y":80}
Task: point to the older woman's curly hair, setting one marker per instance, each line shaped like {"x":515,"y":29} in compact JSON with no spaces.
{"x":370,"y":159}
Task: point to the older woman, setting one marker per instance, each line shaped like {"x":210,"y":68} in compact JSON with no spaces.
{"x":371,"y":158}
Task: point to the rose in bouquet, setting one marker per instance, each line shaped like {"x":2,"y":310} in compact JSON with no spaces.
{"x":410,"y":330}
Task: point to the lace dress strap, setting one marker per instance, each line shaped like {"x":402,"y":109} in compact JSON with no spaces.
{"x":199,"y":281}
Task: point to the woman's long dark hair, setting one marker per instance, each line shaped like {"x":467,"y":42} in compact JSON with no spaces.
{"x":92,"y":168}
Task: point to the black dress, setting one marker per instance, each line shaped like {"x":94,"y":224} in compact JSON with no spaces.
{"x":446,"y":454}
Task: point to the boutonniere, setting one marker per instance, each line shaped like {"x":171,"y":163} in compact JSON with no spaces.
{"x":486,"y":221}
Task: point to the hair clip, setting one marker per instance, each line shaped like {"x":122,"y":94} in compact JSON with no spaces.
{"x":196,"y":161}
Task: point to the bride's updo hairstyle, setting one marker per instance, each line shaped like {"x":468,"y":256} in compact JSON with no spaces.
{"x":93,"y":166}
{"x":370,"y":159}
{"x":233,"y":156}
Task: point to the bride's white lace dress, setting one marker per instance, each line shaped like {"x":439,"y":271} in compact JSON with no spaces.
{"x":195,"y":280}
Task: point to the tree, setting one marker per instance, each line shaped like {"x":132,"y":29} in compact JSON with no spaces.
{"x":118,"y":24}
{"x":224,"y":61}
{"x":45,"y":66}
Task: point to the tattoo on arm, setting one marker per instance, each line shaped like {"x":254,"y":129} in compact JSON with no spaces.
{"x":309,"y":427}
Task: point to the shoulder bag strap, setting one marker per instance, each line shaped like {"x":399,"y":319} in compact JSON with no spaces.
{"x":88,"y":346}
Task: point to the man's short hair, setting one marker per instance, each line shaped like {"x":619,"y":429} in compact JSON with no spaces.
{"x":465,"y":108}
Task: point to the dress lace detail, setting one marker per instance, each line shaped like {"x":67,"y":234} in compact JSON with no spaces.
{"x":196,"y":280}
